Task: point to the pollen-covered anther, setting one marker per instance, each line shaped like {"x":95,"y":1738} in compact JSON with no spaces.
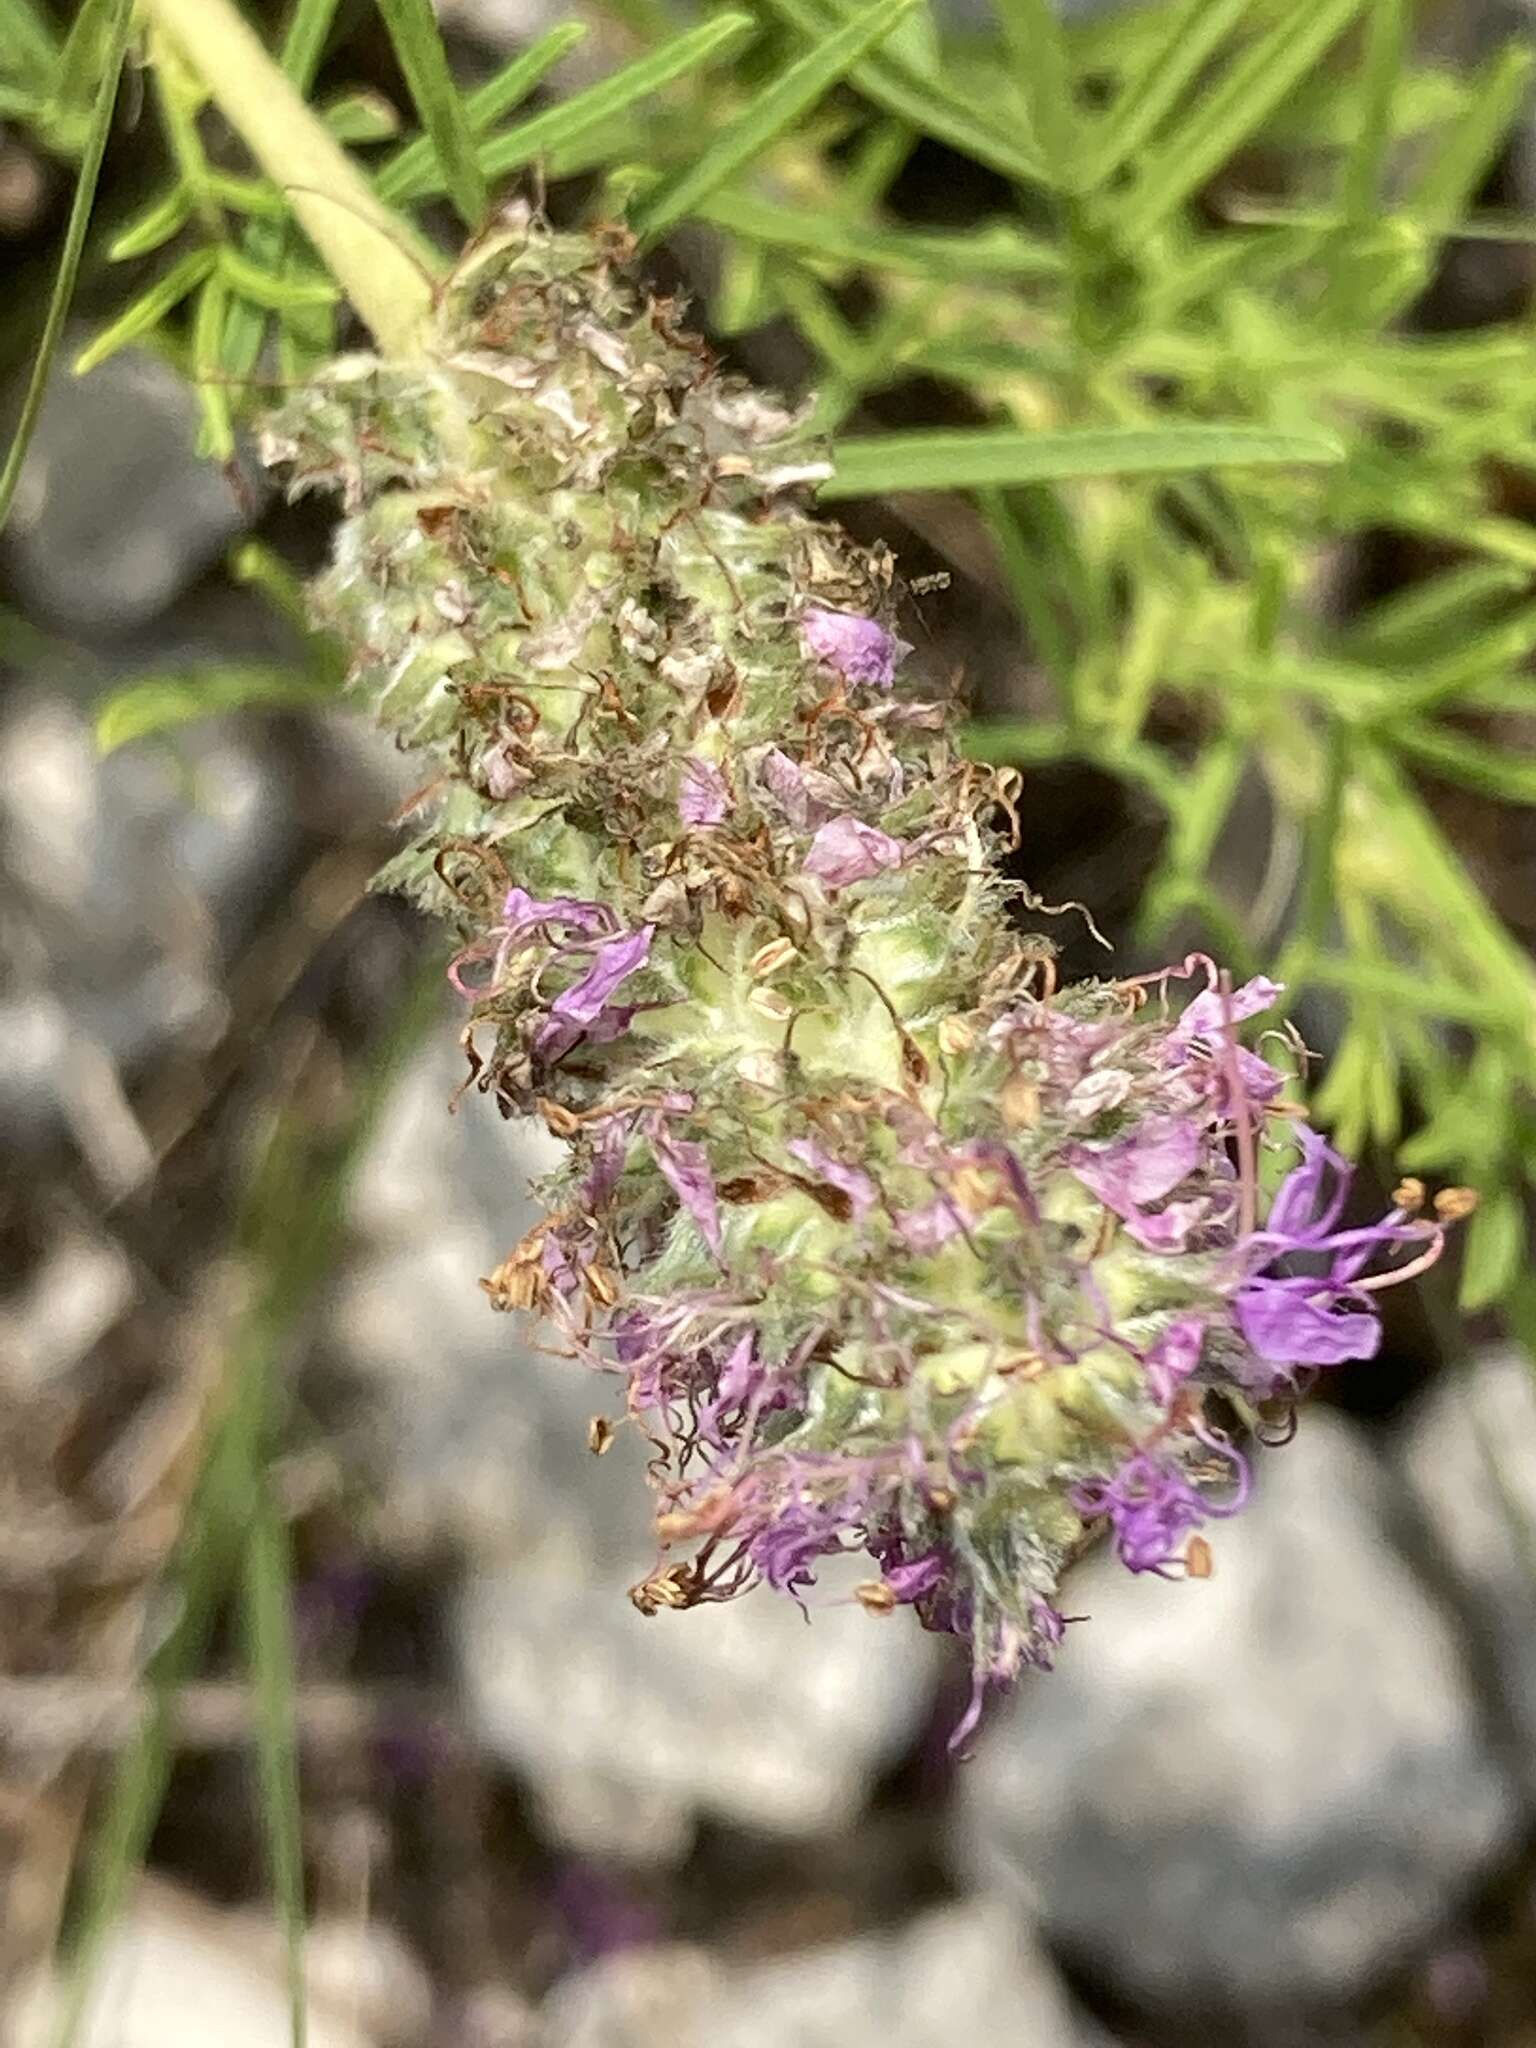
{"x":1453,"y":1204}
{"x":770,"y":958}
{"x":769,"y":1003}
{"x":1199,"y":1563}
{"x":1409,"y":1196}
{"x":673,"y":1586}
{"x":957,"y":1036}
{"x":875,"y":1596}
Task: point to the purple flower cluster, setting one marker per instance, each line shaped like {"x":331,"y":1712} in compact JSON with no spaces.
{"x":895,"y":1246}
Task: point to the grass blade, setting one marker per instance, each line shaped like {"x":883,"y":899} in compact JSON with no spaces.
{"x":267,"y":1613}
{"x":1250,"y":91}
{"x":69,"y":256}
{"x":1033,"y":32}
{"x":595,"y":108}
{"x":773,"y":111}
{"x":304,"y":42}
{"x":925,"y":106}
{"x":994,"y":250}
{"x":484,"y":108}
{"x":1195,"y":31}
{"x":1455,"y":757}
{"x":149,"y":309}
{"x":1360,"y":187}
{"x":413,"y":31}
{"x":1459,"y":166}
{"x":942,"y":460}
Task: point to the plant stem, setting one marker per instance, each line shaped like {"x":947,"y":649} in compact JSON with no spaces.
{"x":371,"y":253}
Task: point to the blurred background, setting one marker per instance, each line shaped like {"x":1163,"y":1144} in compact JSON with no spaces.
{"x":239,"y":1208}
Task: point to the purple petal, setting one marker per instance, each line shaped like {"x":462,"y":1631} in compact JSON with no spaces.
{"x":1174,"y":1357}
{"x":1304,"y":1322}
{"x":1209,"y":1014}
{"x":925,"y":1229}
{"x":847,"y":851}
{"x":860,"y":649}
{"x":1310,"y":1200}
{"x":1143,"y":1167}
{"x":613,"y":962}
{"x":685,"y":1165}
{"x":854,"y":1182}
{"x":521,"y":912}
{"x":705,"y":798}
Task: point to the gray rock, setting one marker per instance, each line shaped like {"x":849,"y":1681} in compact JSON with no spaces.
{"x":970,"y":1974}
{"x":116,"y":512}
{"x":1258,"y":1793}
{"x":626,"y":1728}
{"x":1469,"y":1455}
{"x":129,"y":882}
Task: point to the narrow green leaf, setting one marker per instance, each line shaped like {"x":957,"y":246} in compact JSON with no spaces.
{"x":84,"y":61}
{"x":413,"y":30}
{"x":1417,"y":994}
{"x":278,"y":293}
{"x":1037,"y":45}
{"x":993,"y":250}
{"x":1232,"y":111}
{"x":252,"y":196}
{"x":1400,"y":626}
{"x":69,"y":256}
{"x":1360,"y":186}
{"x":924,"y":104}
{"x":486,"y":106}
{"x":267,"y":1599}
{"x":159,"y":703}
{"x":1508,"y":776}
{"x":149,"y":309}
{"x":1459,"y":166}
{"x":770,"y":114}
{"x":363,"y":117}
{"x":1193,"y":31}
{"x":218,"y":436}
{"x":600,"y":104}
{"x":153,"y":226}
{"x":304,"y":42}
{"x":944,"y":460}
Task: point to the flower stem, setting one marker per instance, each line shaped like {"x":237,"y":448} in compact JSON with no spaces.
{"x":371,"y":252}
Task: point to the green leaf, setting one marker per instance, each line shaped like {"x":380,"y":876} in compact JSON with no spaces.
{"x":413,"y":30}
{"x":84,"y":61}
{"x":153,"y":226}
{"x":993,"y":250}
{"x":149,"y":309}
{"x":158,"y":703}
{"x":280,"y":293}
{"x":1037,"y":45}
{"x":1224,"y":119}
{"x":599,"y":106}
{"x":1192,"y":33}
{"x":769,"y":115}
{"x":1509,"y":776}
{"x":1400,"y":626}
{"x":1494,"y":1254}
{"x":1360,"y":184}
{"x":363,"y":117}
{"x":945,"y":460}
{"x":69,"y":256}
{"x":217,"y":440}
{"x":498,"y":96}
{"x":304,"y":42}
{"x":267,"y":1600}
{"x":925,"y":105}
{"x":1457,"y":169}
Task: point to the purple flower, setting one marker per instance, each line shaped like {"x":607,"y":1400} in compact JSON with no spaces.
{"x":853,"y":1181}
{"x":1173,"y":1357}
{"x":1152,"y":1507}
{"x":1327,"y":1316}
{"x":582,"y":1011}
{"x":847,"y":851}
{"x":704,"y":798}
{"x":522,"y":912}
{"x":860,"y":649}
{"x":1204,"y":1023}
{"x":1145,"y":1167}
{"x":685,"y":1164}
{"x":925,"y":1229}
